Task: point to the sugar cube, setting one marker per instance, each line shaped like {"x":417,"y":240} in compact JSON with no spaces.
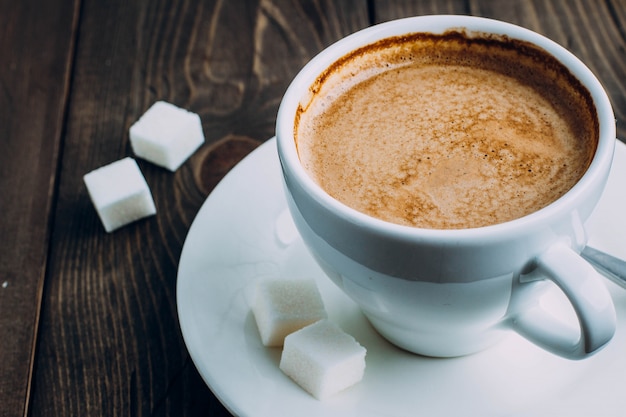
{"x":119,"y":193}
{"x":282,"y":306}
{"x":323,"y":359}
{"x":166,"y":135}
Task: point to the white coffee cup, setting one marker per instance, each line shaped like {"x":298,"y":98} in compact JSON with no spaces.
{"x":454,"y":292}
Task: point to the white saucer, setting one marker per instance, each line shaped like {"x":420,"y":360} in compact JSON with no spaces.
{"x":241,"y":234}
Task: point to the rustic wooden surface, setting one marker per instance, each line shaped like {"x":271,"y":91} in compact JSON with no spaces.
{"x":88,"y":323}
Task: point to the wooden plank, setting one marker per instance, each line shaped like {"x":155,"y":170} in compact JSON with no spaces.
{"x":36,"y":47}
{"x":110,"y":342}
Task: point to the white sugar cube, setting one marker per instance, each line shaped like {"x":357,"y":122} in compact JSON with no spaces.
{"x":282,"y":306}
{"x":119,"y":193}
{"x":166,"y":135}
{"x":323,"y":359}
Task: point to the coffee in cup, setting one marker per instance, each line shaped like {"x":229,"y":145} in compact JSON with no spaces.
{"x":447,"y":131}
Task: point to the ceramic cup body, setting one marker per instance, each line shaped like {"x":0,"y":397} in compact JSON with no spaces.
{"x":455,"y":292}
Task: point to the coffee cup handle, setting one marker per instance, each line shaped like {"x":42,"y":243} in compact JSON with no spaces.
{"x":590,"y":298}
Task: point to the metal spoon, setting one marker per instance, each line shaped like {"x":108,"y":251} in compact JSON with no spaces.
{"x":611,"y":267}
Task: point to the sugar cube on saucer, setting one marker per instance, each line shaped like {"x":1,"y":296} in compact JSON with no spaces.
{"x":166,"y":135}
{"x":119,"y":193}
{"x":323,"y":359}
{"x":282,"y":306}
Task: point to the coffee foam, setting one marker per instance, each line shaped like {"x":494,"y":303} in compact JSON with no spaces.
{"x":447,"y":131}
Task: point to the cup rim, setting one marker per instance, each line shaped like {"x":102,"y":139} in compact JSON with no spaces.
{"x":597,"y":170}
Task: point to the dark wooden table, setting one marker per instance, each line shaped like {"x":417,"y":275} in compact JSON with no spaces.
{"x":88,"y":322}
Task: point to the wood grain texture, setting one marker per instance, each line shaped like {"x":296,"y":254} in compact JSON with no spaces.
{"x":36,"y":44}
{"x":110,"y":342}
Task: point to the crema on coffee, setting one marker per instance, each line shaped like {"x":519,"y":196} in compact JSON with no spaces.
{"x":447,"y":131}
